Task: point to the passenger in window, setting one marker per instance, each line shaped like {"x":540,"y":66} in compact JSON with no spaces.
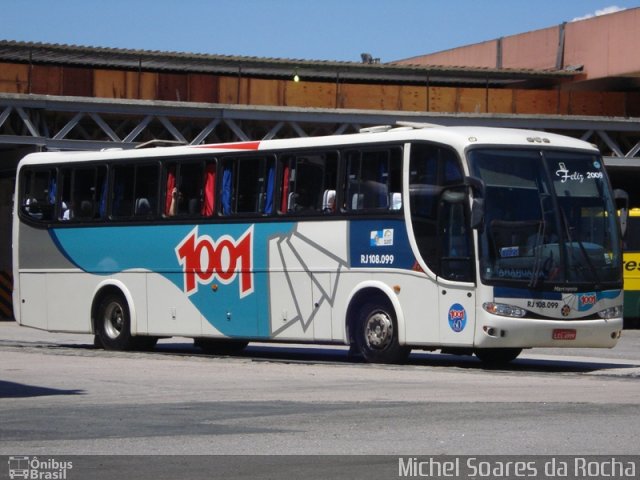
{"x":176,"y":201}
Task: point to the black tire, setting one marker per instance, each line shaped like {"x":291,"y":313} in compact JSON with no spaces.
{"x":113,"y":326}
{"x":376,"y":334}
{"x":497,"y":356}
{"x":214,"y":346}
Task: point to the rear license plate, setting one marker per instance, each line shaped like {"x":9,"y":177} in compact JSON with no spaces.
{"x":564,"y":334}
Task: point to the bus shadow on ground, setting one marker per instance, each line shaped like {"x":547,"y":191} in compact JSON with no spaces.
{"x":21,"y":390}
{"x":279,"y":353}
{"x":303,"y":354}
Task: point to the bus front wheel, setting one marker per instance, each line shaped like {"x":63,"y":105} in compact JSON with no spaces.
{"x":376,"y":335}
{"x":497,"y":356}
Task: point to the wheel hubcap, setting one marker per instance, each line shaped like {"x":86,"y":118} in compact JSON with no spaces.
{"x":113,"y":320}
{"x":378,"y":331}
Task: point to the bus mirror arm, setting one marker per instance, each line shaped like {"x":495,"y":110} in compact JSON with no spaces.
{"x":622,"y":205}
{"x":477,"y":214}
{"x":477,"y":189}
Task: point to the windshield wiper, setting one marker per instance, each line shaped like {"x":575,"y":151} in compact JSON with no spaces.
{"x":538,"y":262}
{"x":583,"y":250}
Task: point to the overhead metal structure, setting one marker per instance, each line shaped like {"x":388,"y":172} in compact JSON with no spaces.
{"x":73,"y":123}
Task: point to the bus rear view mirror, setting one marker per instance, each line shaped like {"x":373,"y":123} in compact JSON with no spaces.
{"x":477,"y":188}
{"x":622,"y":205}
{"x":477,"y":213}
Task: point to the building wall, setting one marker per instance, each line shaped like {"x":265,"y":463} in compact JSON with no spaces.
{"x":605,"y":45}
{"x":189,"y":87}
{"x":482,"y":55}
{"x":537,"y":50}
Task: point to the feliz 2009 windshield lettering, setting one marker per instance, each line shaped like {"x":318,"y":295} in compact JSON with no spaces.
{"x":566,"y":175}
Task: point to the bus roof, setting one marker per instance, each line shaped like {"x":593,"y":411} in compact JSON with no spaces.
{"x":458,"y":137}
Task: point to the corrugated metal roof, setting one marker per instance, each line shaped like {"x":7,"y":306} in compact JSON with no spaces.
{"x":146,"y":60}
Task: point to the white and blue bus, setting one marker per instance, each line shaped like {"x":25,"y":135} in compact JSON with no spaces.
{"x":452,"y":238}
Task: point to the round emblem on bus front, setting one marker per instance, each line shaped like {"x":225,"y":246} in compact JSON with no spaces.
{"x":457,"y":317}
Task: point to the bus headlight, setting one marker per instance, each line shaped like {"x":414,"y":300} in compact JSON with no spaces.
{"x":504,"y":309}
{"x":611,"y":312}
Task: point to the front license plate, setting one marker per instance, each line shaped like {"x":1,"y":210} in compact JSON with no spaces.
{"x":564,"y":334}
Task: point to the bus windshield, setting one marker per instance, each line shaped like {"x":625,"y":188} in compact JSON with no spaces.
{"x":550,"y":221}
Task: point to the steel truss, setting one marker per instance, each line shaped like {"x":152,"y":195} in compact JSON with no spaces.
{"x":80,"y":123}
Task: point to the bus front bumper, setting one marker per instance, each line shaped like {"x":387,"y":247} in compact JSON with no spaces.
{"x":494,"y":331}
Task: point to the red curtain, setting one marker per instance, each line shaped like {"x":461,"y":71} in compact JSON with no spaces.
{"x":285,"y":190}
{"x":209,"y":204}
{"x":171,"y":183}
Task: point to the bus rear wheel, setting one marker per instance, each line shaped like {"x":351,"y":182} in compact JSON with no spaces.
{"x":113,"y":326}
{"x":376,"y":335}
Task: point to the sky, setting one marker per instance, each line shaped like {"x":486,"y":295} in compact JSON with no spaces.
{"x":339,"y":30}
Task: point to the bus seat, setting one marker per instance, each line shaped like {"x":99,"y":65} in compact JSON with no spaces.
{"x":329,"y":201}
{"x":292,"y":202}
{"x":86,"y":209}
{"x":395,"y":201}
{"x":142,"y":206}
{"x":357,"y":201}
{"x":194,"y":206}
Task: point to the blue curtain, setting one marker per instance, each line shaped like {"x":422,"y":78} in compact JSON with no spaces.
{"x":226,"y":191}
{"x":268,"y":206}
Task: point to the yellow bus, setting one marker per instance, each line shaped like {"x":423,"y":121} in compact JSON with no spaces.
{"x":631,"y":262}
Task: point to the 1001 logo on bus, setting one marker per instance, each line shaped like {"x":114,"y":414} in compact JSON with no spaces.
{"x":205,"y":260}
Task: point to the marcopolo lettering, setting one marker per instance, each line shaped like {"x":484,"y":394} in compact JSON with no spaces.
{"x":204,"y":260}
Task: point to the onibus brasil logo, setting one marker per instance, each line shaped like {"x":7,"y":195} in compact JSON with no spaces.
{"x":205,"y":260}
{"x":35,"y":468}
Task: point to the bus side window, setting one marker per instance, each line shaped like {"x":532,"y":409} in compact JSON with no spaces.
{"x":39,"y":193}
{"x":247,"y":185}
{"x":88,"y":195}
{"x":184,"y":189}
{"x":372,"y":178}
{"x":309,"y":183}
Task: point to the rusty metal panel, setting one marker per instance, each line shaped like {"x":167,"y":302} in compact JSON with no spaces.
{"x":46,"y":80}
{"x":77,"y":81}
{"x":172,"y":86}
{"x":472,"y":100}
{"x":632,"y":104}
{"x":605,"y":104}
{"x":110,"y":83}
{"x":265,"y":92}
{"x":500,"y":101}
{"x":443,"y":99}
{"x":310,"y":94}
{"x":369,"y":97}
{"x":536,"y":101}
{"x":203,"y":88}
{"x":413,"y":98}
{"x":14,"y":78}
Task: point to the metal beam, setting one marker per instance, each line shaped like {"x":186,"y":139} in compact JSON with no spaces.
{"x":193,"y":122}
